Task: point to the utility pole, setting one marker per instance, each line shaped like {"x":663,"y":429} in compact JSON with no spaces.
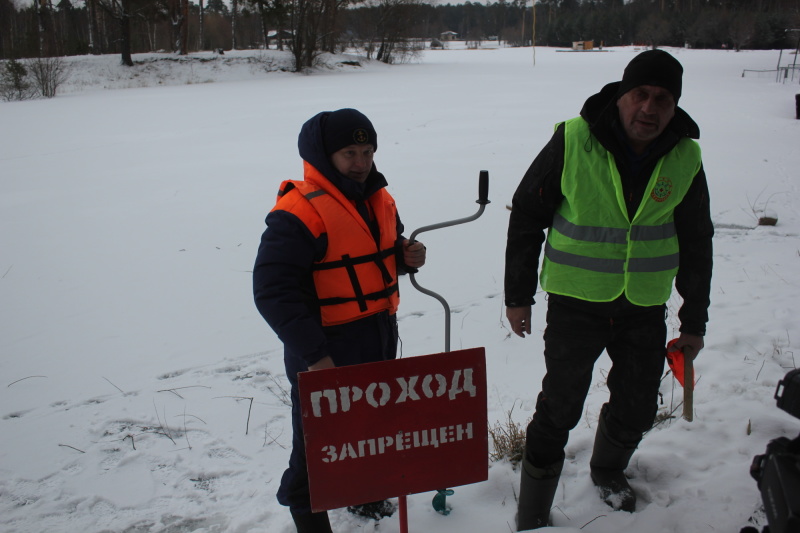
{"x":533,"y":32}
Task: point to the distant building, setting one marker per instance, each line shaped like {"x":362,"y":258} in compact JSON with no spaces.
{"x":582,"y":45}
{"x":284,"y":36}
{"x":448,"y":36}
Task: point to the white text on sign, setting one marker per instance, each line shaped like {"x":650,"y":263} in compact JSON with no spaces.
{"x":401,"y":441}
{"x":378,"y":394}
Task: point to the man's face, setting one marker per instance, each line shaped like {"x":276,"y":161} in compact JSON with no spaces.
{"x":354,"y":161}
{"x":644,"y":112}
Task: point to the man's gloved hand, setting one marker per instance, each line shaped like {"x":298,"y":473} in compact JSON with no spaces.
{"x":413,"y":254}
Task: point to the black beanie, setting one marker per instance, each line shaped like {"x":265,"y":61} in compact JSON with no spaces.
{"x":653,"y":67}
{"x":345,"y":127}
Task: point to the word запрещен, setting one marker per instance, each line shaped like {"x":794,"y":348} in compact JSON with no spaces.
{"x":404,"y":440}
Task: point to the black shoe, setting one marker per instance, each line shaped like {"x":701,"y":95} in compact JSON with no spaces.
{"x":614,"y":489}
{"x":373,"y":510}
{"x":312,"y":522}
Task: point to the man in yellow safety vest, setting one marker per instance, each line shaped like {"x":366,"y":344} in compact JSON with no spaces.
{"x":622,"y":196}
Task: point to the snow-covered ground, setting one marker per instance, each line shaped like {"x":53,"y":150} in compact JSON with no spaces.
{"x":130,"y":348}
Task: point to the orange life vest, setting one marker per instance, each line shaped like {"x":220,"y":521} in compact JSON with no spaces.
{"x":356,"y":278}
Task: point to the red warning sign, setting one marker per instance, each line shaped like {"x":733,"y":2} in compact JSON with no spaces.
{"x":393,"y":428}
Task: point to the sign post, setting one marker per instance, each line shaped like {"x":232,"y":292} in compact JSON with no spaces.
{"x":388,"y":429}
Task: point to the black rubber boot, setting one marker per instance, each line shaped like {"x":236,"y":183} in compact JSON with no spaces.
{"x":537,"y":489}
{"x":312,"y":522}
{"x":608,"y":463}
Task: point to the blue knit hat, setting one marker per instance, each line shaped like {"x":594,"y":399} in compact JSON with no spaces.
{"x":345,"y":127}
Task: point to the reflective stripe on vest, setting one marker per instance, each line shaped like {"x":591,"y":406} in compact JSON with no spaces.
{"x":356,"y":278}
{"x":593,"y":251}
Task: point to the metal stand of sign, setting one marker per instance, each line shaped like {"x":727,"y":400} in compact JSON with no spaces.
{"x":483,"y":199}
{"x":403,"y":510}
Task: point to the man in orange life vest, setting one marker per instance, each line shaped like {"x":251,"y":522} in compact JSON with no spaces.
{"x":325,"y":278}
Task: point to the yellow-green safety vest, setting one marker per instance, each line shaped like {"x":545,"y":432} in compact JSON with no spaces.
{"x":594,"y":251}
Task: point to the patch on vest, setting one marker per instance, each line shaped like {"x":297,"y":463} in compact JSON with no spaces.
{"x":662,"y":190}
{"x":360,"y":136}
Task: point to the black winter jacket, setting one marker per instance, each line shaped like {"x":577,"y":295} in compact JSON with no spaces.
{"x":539,"y":195}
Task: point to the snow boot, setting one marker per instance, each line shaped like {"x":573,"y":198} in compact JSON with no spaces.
{"x":537,"y":489}
{"x":312,"y":522}
{"x":608,"y":463}
{"x":373,"y":510}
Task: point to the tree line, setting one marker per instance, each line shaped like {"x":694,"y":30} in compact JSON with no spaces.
{"x":387,"y":30}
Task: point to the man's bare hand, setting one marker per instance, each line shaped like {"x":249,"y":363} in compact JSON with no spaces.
{"x":519,"y":318}
{"x":690,"y":345}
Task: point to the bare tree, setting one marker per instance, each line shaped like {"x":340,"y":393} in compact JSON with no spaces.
{"x":234,"y":11}
{"x":329,"y":33}
{"x":91,"y":8}
{"x":741,"y":30}
{"x":272,"y":14}
{"x":41,"y":14}
{"x":201,"y":37}
{"x":306,"y":23}
{"x":179,"y":20}
{"x":395,"y":17}
{"x":654,"y":30}
{"x":121,"y":11}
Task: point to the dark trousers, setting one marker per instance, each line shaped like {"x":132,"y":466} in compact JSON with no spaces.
{"x":370,"y":339}
{"x":577,"y":333}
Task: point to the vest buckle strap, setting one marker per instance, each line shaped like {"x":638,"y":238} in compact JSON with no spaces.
{"x":387,"y":277}
{"x":378,"y":295}
{"x":351,"y":273}
{"x":369,"y":258}
{"x":349,"y":263}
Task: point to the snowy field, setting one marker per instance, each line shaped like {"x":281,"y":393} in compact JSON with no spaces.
{"x":141,"y":391}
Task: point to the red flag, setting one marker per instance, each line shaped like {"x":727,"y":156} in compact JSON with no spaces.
{"x":675,"y":361}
